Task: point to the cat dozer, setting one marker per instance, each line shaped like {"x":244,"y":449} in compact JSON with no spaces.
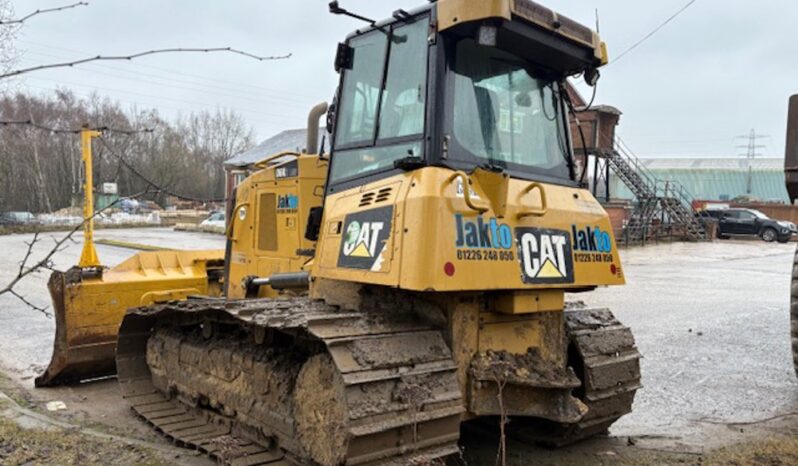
{"x":438,"y":240}
{"x":791,"y":179}
{"x":89,"y":300}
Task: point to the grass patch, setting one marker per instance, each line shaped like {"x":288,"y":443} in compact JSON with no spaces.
{"x":63,"y":447}
{"x":773,"y":452}
{"x":17,"y":394}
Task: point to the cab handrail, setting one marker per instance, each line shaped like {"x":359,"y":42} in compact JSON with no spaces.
{"x":469,"y":200}
{"x":543,"y":203}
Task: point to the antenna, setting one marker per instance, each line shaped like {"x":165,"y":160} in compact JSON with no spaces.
{"x":598,"y":26}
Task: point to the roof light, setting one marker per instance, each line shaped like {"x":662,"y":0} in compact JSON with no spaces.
{"x":488,"y":35}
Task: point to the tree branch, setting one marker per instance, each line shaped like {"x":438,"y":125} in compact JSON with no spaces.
{"x":41,"y":12}
{"x":43,"y":310}
{"x":46,"y":262}
{"x":28,"y":253}
{"x":142,"y":54}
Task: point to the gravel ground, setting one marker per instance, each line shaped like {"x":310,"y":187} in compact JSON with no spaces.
{"x":712,"y":323}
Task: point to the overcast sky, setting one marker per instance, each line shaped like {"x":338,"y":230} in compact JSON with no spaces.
{"x":717,"y":71}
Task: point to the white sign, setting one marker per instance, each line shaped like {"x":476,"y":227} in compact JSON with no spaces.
{"x":110,"y":188}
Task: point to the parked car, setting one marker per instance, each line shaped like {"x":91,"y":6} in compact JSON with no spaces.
{"x":750,"y":222}
{"x":17,"y":218}
{"x":216,"y":219}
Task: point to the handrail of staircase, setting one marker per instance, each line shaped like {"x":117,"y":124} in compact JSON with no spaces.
{"x":680,"y":192}
{"x":676,"y":190}
{"x":648,"y":178}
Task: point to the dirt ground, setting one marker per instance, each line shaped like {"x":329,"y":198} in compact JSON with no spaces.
{"x":711,"y":321}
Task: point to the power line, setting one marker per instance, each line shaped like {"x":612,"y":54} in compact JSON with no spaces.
{"x":138,"y":104}
{"x":151,"y":183}
{"x":170,"y":82}
{"x":650,"y":34}
{"x":104,"y":129}
{"x":183,"y":101}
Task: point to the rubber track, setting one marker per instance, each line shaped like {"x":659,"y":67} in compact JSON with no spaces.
{"x":390,"y":431}
{"x":605,"y":358}
{"x":794,"y":312}
{"x":610,"y":372}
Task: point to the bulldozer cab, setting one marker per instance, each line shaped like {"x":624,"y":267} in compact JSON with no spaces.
{"x":452,"y":152}
{"x":432,"y":87}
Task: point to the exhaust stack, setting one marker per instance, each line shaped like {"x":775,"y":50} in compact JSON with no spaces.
{"x":313,"y":127}
{"x":791,"y":155}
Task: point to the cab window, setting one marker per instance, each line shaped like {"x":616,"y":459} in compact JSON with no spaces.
{"x":382,"y":108}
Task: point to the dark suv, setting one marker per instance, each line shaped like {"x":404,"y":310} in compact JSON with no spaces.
{"x":750,"y":222}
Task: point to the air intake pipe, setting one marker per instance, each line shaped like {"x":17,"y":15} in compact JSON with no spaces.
{"x":313,"y":127}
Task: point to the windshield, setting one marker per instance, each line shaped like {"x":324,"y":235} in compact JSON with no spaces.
{"x":759,"y":214}
{"x":506,"y":116}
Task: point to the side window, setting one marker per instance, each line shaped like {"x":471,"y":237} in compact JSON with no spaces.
{"x":402,"y":111}
{"x":382,"y":112}
{"x":747,"y":216}
{"x":731,"y":215}
{"x":362,"y":85}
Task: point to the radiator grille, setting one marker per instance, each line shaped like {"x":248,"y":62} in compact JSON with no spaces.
{"x":267,"y":222}
{"x":375,"y":197}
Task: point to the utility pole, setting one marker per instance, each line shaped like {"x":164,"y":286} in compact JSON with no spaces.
{"x":750,"y":154}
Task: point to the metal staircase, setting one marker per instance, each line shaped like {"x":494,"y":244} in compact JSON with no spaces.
{"x":664,"y":208}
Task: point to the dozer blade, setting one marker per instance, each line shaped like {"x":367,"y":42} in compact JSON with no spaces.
{"x":89,"y":305}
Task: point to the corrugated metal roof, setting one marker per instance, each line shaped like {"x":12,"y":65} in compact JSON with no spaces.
{"x":714,"y":163}
{"x":289,"y":140}
{"x":703,"y":182}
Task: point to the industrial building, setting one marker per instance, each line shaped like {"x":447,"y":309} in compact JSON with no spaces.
{"x":714,"y":178}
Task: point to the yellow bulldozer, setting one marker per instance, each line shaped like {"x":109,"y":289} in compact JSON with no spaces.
{"x":89,"y":300}
{"x":414,"y":278}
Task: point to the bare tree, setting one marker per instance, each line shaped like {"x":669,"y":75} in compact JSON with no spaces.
{"x":8,"y":53}
{"x":213,"y":138}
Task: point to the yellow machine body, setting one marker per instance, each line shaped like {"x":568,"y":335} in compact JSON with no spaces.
{"x":89,"y":306}
{"x":266,"y":230}
{"x":417,"y":231}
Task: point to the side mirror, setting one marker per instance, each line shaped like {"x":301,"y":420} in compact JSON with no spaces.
{"x":314,"y":223}
{"x":331,"y":116}
{"x":344,"y":57}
